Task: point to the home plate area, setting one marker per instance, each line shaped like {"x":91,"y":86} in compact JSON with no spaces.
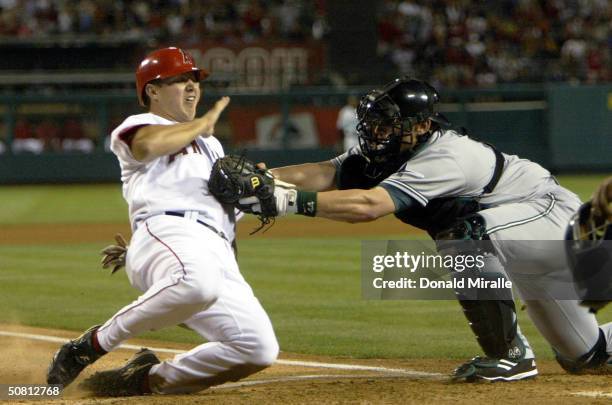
{"x":298,"y":378}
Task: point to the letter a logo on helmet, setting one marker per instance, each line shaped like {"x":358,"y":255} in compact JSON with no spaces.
{"x":187,"y":58}
{"x":164,"y":63}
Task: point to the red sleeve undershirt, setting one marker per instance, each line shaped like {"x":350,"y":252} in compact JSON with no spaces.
{"x":127,"y":135}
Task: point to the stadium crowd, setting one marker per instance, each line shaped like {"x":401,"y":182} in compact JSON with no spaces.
{"x":184,"y":21}
{"x":468,"y":43}
{"x":451,"y":43}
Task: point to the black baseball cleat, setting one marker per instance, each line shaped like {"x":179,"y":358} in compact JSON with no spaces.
{"x":72,"y":358}
{"x":489,"y":369}
{"x":130,"y":380}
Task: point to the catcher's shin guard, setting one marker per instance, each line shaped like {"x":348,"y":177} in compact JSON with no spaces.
{"x":491,"y":312}
{"x":73,"y":357}
{"x":495,"y":325}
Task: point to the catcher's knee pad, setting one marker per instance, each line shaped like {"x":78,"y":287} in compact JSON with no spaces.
{"x":594,"y":361}
{"x":466,"y":236}
{"x":471,"y":227}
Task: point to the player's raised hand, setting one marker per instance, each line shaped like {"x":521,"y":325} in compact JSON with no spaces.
{"x":212,"y":116}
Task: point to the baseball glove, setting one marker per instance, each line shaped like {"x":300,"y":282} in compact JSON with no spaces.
{"x":234,"y":178}
{"x":114,"y":255}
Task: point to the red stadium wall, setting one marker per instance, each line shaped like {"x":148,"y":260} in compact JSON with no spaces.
{"x":244,"y":122}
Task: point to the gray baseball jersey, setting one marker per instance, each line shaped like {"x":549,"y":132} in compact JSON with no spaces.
{"x":453,"y":165}
{"x":527,"y":205}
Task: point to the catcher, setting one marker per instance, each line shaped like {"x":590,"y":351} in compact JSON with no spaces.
{"x":410,"y":157}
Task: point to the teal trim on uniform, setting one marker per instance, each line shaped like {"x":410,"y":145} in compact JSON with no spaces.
{"x":406,"y":189}
{"x":400,"y":198}
{"x":527,"y":220}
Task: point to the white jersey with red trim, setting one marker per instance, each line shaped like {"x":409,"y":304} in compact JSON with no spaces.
{"x":177,"y":182}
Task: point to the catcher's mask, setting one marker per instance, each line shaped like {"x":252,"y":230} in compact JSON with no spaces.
{"x":387,"y":116}
{"x":589,"y":253}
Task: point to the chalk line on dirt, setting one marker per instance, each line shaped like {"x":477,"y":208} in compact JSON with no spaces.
{"x":297,"y":363}
{"x":593,"y":394}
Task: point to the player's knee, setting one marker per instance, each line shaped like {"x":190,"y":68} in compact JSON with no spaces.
{"x":264,"y":351}
{"x":260,"y":350}
{"x":590,"y":362}
{"x":267,"y":352}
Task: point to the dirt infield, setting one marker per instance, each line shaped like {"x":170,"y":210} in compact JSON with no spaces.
{"x":103,"y":232}
{"x":403,"y":381}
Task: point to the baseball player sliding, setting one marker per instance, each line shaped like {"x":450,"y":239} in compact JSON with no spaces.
{"x":180,"y":255}
{"x":410,"y":158}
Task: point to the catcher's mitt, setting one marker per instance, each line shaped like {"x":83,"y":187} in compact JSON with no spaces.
{"x":234,"y":177}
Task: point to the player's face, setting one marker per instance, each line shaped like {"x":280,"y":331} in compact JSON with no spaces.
{"x":382,"y":131}
{"x":179,"y":97}
{"x":410,"y":138}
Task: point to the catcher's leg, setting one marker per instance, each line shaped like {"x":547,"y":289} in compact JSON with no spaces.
{"x":539,"y":270}
{"x":579,"y":344}
{"x":491,"y":313}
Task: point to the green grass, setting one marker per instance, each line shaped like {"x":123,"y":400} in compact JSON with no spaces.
{"x":104,"y":203}
{"x":310,"y":287}
{"x":66,"y":204}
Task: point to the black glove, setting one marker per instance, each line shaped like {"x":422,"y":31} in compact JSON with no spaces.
{"x":234,"y":178}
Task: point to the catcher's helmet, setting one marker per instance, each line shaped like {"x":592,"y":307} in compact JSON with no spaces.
{"x":398,"y":106}
{"x":589,"y":250}
{"x":164,"y":63}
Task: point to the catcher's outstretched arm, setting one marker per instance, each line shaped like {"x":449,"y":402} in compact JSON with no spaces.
{"x":309,"y":176}
{"x":153,"y":141}
{"x":354,"y":205}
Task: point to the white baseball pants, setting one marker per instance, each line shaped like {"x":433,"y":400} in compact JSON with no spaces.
{"x":189,"y":275}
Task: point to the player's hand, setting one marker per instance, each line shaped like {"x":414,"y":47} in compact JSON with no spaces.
{"x":285,"y":196}
{"x":212,"y":116}
{"x":602,"y":200}
{"x":114,"y":255}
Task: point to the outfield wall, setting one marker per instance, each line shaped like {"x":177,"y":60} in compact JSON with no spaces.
{"x":563,"y":127}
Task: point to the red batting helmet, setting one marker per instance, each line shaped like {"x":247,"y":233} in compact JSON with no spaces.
{"x":164,"y":63}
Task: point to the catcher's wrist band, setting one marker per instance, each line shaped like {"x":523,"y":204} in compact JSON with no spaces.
{"x":307,"y":203}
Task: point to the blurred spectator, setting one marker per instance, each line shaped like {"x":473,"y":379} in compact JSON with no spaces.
{"x":463,"y":43}
{"x":48,"y":132}
{"x":74,"y":139}
{"x":225,"y":20}
{"x":449,"y":42}
{"x":347,"y":123}
{"x":24,"y":140}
